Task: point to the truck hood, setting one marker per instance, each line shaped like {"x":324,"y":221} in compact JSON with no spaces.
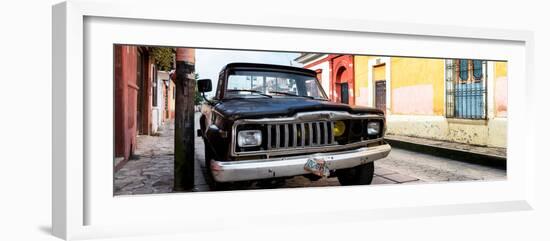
{"x":285,"y":106}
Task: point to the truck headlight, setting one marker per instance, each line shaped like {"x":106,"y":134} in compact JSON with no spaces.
{"x":373,"y":128}
{"x":339,"y":128}
{"x":249,"y":138}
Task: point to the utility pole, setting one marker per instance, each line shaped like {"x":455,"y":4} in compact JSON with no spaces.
{"x":184,"y":141}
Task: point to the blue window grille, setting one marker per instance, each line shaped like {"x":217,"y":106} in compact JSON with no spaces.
{"x":463,"y":69}
{"x":477,"y":69}
{"x":466,"y":87}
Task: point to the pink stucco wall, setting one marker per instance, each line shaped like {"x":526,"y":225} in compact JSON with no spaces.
{"x":501,"y":97}
{"x":417,"y":99}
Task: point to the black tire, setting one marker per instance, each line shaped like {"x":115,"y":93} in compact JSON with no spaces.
{"x":218,"y":186}
{"x":359,"y":175}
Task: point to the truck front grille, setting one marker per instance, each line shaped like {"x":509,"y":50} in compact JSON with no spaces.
{"x":306,"y":133}
{"x":293,"y":135}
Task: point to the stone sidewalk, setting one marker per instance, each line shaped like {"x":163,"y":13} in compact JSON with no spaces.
{"x":491,"y":156}
{"x":153,"y":170}
{"x":494,"y":151}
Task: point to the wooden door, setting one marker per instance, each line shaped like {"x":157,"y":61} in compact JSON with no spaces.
{"x":344,"y":93}
{"x":380,"y":95}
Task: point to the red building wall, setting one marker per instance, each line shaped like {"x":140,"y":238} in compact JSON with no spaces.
{"x":125,"y":100}
{"x":341,"y":71}
{"x":147,"y":94}
{"x":127,"y":91}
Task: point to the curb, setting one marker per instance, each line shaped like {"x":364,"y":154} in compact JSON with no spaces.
{"x":455,"y":154}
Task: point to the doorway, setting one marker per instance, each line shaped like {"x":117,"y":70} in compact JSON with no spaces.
{"x":344,"y":92}
{"x":380,"y":95}
{"x":343,"y":79}
{"x":379,"y":78}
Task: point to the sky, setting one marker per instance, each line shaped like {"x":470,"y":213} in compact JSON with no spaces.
{"x":209,"y":62}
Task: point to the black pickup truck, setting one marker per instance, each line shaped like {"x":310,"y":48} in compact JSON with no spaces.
{"x":276,"y":122}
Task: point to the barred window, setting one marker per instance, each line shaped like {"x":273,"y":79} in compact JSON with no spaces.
{"x":466,"y":86}
{"x":478,"y":69}
{"x":463,"y":69}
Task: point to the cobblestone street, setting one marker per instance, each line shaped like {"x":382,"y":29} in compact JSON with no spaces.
{"x":152,"y":172}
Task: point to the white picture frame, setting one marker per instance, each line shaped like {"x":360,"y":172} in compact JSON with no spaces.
{"x":82,"y":207}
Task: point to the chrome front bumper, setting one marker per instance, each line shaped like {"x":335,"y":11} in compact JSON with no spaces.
{"x":230,"y":171}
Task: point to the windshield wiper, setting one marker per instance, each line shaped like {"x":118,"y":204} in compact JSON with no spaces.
{"x":251,"y":91}
{"x":291,"y":94}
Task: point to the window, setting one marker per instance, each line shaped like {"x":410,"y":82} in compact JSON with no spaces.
{"x":258,"y":84}
{"x":478,"y":69}
{"x":466,"y":85}
{"x":463,"y":69}
{"x":311,"y":88}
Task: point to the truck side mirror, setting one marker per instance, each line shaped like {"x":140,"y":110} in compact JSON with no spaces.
{"x":204,"y":85}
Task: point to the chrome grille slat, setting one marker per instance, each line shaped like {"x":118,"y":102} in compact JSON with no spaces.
{"x":277,"y":136}
{"x":318,"y":127}
{"x":303,"y":134}
{"x":295,"y":136}
{"x":268,"y":137}
{"x":310,"y":128}
{"x":325,"y":125}
{"x":286,"y":136}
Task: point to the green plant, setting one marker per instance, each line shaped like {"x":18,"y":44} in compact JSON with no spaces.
{"x":164,"y":57}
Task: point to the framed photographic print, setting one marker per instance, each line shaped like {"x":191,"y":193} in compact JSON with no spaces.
{"x":208,"y":121}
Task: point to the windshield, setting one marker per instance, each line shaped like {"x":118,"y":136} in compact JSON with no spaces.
{"x":246,"y":83}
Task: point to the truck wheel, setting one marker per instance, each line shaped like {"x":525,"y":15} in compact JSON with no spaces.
{"x":218,"y":186}
{"x":359,"y":175}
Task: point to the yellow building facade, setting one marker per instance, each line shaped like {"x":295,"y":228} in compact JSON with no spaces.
{"x":453,"y":100}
